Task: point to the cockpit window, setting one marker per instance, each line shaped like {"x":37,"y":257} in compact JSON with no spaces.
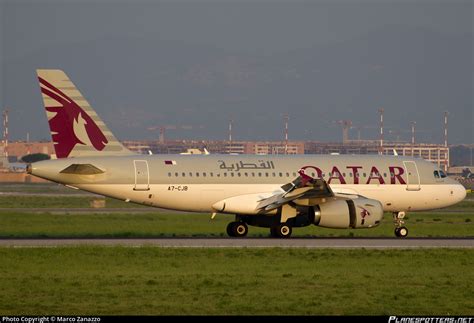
{"x":442,"y":174}
{"x":436,"y":174}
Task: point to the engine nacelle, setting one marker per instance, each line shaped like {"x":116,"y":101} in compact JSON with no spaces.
{"x":351,"y":213}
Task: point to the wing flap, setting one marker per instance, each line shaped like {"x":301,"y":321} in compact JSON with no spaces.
{"x":297,"y":189}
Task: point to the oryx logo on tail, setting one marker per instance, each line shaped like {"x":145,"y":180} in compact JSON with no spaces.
{"x":70,"y":125}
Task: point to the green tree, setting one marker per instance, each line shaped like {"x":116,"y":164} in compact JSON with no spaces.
{"x":31,"y":158}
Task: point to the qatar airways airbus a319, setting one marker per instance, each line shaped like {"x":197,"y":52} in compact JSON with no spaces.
{"x":277,"y":192}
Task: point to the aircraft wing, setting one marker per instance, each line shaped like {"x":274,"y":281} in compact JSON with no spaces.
{"x":303,"y":187}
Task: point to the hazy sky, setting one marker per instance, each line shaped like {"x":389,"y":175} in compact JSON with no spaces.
{"x":142,"y":64}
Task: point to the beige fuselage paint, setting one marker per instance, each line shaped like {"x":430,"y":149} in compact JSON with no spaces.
{"x":196,"y":183}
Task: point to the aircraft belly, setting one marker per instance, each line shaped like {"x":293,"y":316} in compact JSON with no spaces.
{"x":183,"y":197}
{"x":201,"y":197}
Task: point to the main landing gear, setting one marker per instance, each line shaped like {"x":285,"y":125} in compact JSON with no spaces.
{"x":237,"y":229}
{"x":282,"y":230}
{"x":278,"y":228}
{"x":240,"y":229}
{"x":400,"y":231}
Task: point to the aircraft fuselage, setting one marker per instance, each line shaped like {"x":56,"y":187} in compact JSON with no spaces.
{"x":197,"y":182}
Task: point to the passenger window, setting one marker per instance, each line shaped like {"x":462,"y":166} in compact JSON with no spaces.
{"x":204,"y":174}
{"x":176,"y":174}
{"x":287,"y":174}
{"x":246,"y":174}
{"x":294,"y":174}
{"x":183,"y":174}
{"x":225,"y":174}
{"x":212,"y":174}
{"x":197,"y":174}
{"x":266,"y":174}
{"x":259,"y":174}
{"x":281,"y":175}
{"x":273,"y":174}
{"x":253,"y":174}
{"x":238,"y":174}
{"x":232,"y":174}
{"x":190,"y":174}
{"x":169,"y":174}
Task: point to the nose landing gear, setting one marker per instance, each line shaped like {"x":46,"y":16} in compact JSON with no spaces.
{"x":400,"y":231}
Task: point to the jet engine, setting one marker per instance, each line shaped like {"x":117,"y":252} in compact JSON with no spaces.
{"x":350,"y":213}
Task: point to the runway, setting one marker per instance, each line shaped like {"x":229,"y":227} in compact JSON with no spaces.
{"x":314,"y":243}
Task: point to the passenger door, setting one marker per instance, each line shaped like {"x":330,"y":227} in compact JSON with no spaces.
{"x":142,"y":176}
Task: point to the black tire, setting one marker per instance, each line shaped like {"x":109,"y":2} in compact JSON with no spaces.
{"x":397,"y":232}
{"x":273,"y":232}
{"x":402,"y":232}
{"x":230,"y":230}
{"x":283,"y":230}
{"x":240,"y":229}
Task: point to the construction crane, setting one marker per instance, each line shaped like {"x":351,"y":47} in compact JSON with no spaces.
{"x":359,"y":130}
{"x":346,"y":125}
{"x":164,"y":128}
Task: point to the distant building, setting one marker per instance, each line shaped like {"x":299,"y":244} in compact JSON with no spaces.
{"x":437,"y":154}
{"x":218,"y":147}
{"x":22,"y":148}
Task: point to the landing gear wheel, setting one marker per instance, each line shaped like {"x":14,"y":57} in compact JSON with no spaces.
{"x":273,"y":232}
{"x":240,"y":229}
{"x":282,"y":230}
{"x":230,"y":231}
{"x":237,"y":229}
{"x":401,"y":232}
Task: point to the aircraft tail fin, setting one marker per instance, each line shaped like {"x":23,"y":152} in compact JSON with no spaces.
{"x":75,"y":127}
